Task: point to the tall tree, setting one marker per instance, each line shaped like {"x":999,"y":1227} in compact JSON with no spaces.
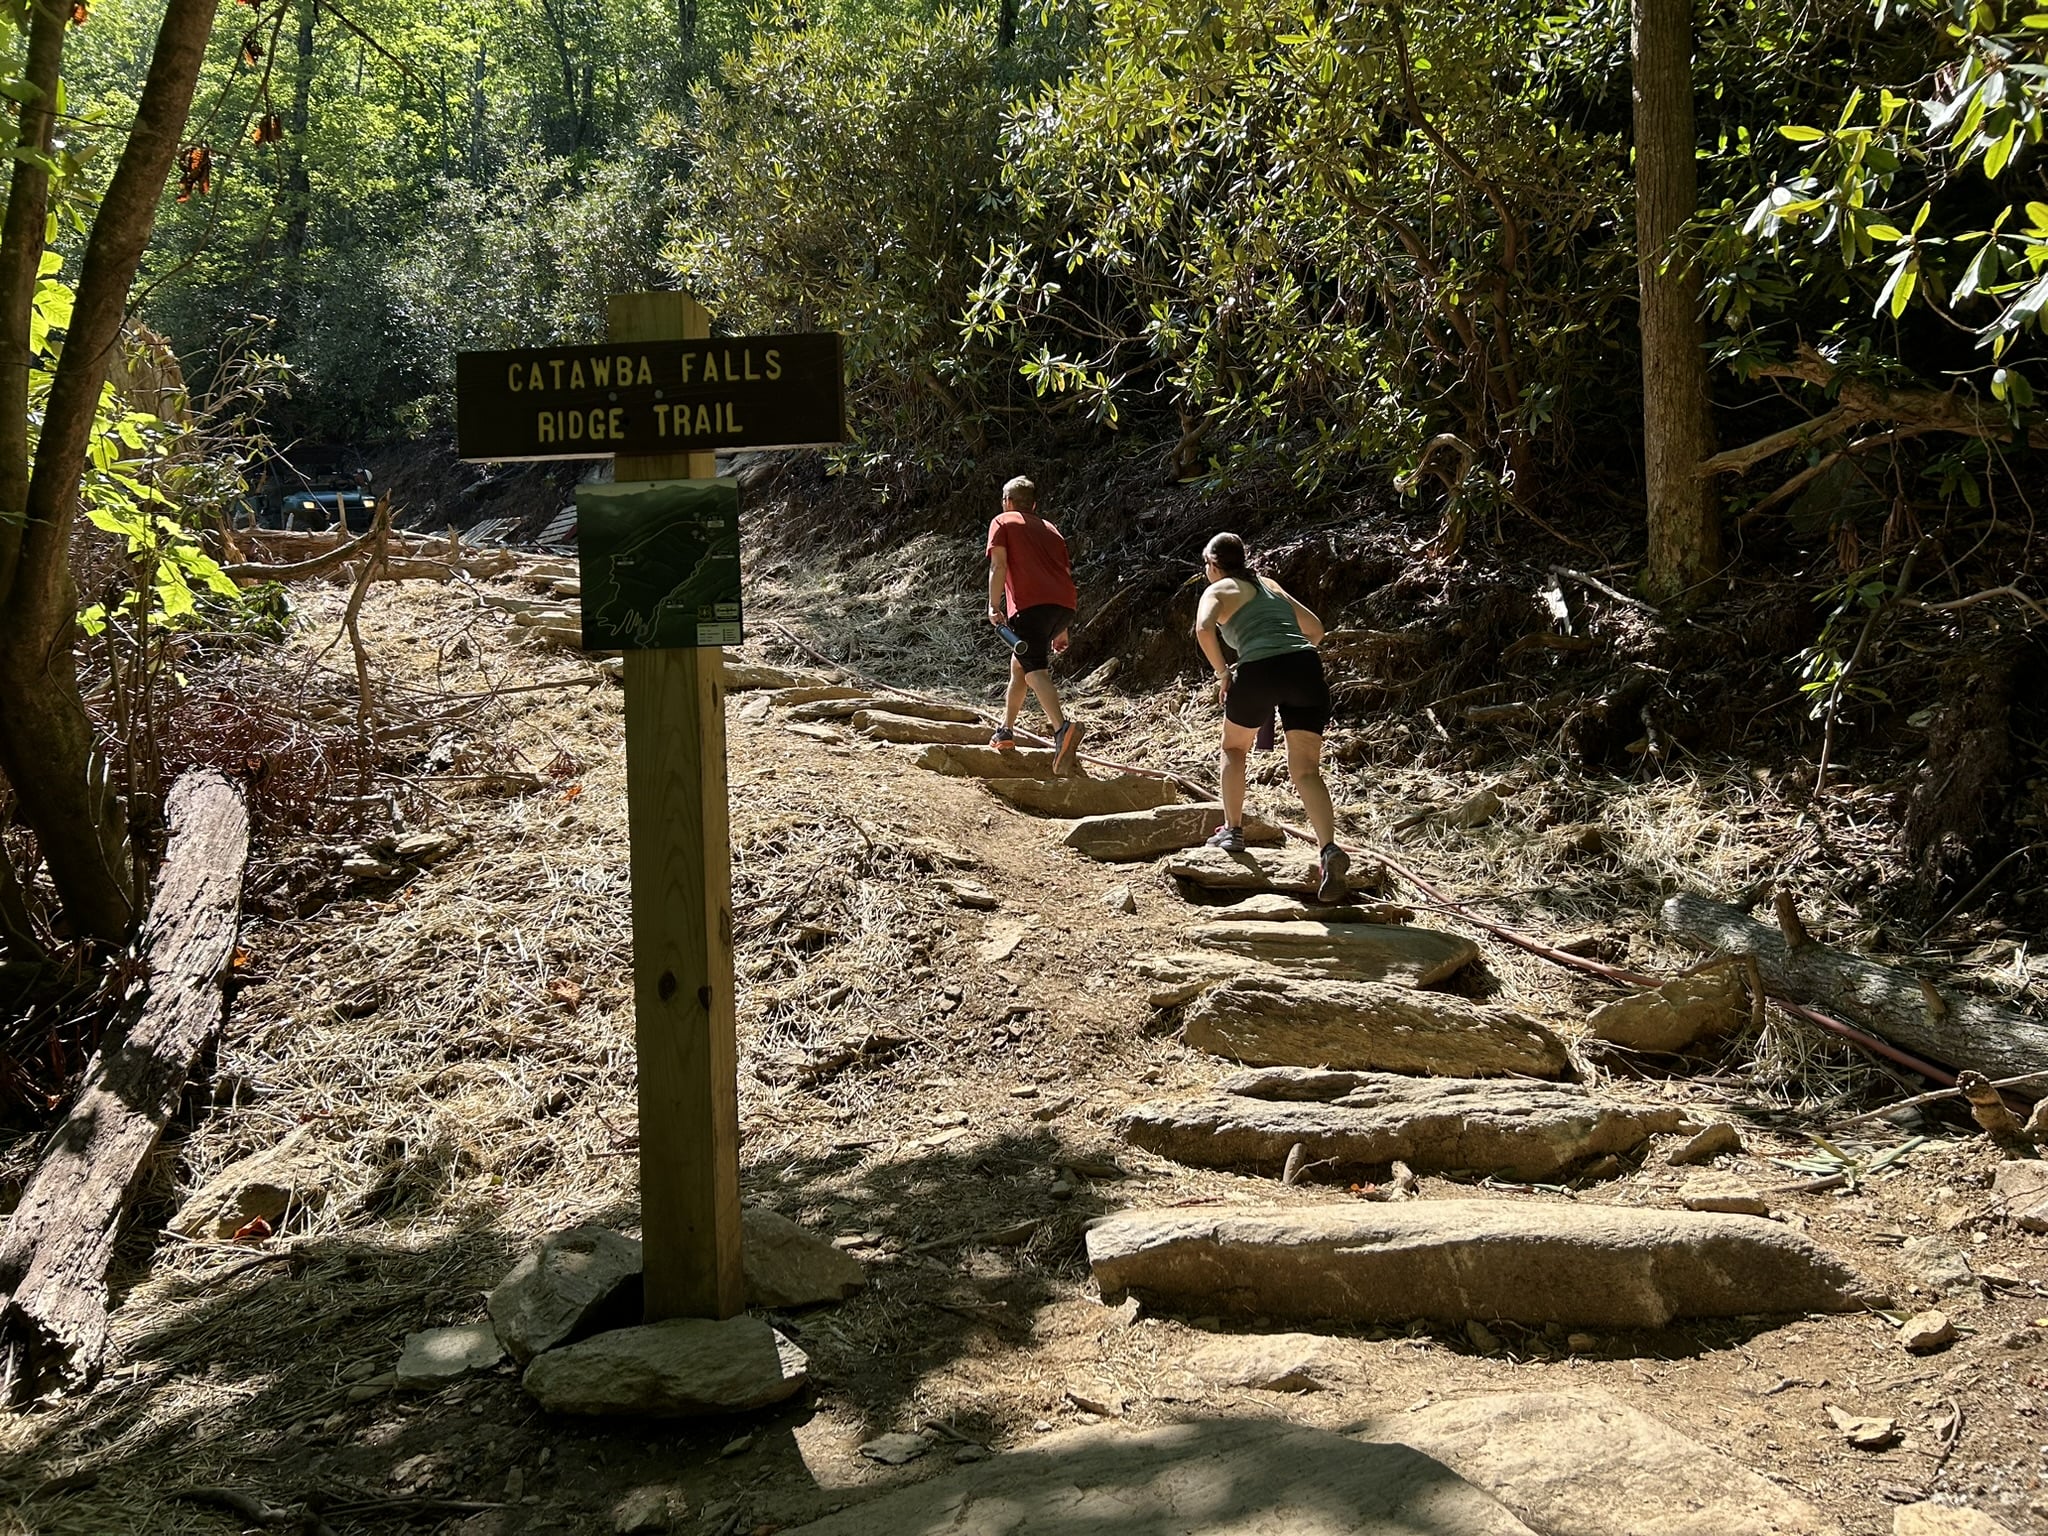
{"x":1678,"y":433}
{"x":47,"y":750}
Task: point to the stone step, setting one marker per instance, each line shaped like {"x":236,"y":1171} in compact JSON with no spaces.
{"x":741,"y":675}
{"x":1292,"y":870}
{"x":1076,"y":796}
{"x":884,"y":725}
{"x":1146,"y":834}
{"x":1584,"y":1463}
{"x":1368,"y":1026}
{"x":987,"y":762}
{"x":1521,"y":1130}
{"x":1577,"y":1265}
{"x":1218,"y":1477}
{"x":911,"y":709}
{"x":833,"y":709}
{"x":1411,"y":957}
{"x":1174,"y":979}
{"x":1274,"y":907}
{"x":812,"y":693}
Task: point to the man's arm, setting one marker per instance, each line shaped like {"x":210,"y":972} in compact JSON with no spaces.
{"x":998,"y":571}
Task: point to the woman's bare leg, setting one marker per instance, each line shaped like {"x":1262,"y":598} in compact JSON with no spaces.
{"x":1305,"y":768}
{"x":1237,"y":743}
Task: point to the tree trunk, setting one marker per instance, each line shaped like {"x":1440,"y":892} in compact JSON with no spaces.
{"x":298,"y":185}
{"x":54,"y":1257}
{"x":1678,"y":435}
{"x":1942,"y":1026}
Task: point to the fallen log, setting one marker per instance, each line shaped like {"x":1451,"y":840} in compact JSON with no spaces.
{"x":60,"y":1239}
{"x":1940,"y":1023}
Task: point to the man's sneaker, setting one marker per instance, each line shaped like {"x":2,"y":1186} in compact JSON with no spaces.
{"x":1229,"y":839}
{"x":1004,"y":740}
{"x":1064,"y":741}
{"x":1336,"y":865}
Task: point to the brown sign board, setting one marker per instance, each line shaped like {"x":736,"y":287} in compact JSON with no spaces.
{"x":650,"y":397}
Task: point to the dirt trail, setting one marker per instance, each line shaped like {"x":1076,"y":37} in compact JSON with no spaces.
{"x":931,"y":1085}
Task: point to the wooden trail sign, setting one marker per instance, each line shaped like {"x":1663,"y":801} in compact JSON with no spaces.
{"x":660,"y":395}
{"x":647,"y":395}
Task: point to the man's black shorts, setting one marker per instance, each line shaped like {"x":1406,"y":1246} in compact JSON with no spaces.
{"x":1293,"y":683}
{"x":1038,"y":627}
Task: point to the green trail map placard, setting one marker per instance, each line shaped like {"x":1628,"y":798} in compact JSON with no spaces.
{"x":660,"y":564}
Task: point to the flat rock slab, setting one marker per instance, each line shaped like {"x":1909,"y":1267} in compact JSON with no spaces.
{"x":436,"y":1355}
{"x":1582,"y":1266}
{"x":1162,"y":829}
{"x":987,"y":762}
{"x":1586,"y":1464}
{"x":1292,"y":870}
{"x":685,"y":1367}
{"x":1524,"y":1130}
{"x":1274,"y":907}
{"x":1367,"y":1026}
{"x":1077,"y":796}
{"x":753,"y":674}
{"x":813,"y":693}
{"x":1408,"y":957}
{"x":1171,"y":980}
{"x":819,"y":710}
{"x":1217,"y":1478}
{"x":882,"y":725}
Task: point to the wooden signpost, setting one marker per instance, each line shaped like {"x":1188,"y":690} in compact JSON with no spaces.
{"x":675,"y":733}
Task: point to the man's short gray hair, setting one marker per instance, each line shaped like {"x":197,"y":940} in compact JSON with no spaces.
{"x":1022,"y":492}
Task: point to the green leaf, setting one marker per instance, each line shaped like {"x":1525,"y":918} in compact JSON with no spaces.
{"x":1801,"y":135}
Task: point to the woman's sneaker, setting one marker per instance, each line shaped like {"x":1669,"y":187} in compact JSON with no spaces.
{"x":1064,"y":741}
{"x":1004,"y":740}
{"x":1336,"y":865}
{"x":1229,"y":839}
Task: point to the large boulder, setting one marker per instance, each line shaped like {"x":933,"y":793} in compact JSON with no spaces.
{"x":882,"y":725}
{"x":1163,"y":829}
{"x":1078,"y":796}
{"x":1582,"y":1266}
{"x":1522,"y":1130}
{"x":1221,"y":1477}
{"x":1586,"y":1464}
{"x":1678,"y":1015}
{"x":1409,"y":957}
{"x":1368,"y":1026}
{"x":987,"y":762}
{"x":684,"y":1367}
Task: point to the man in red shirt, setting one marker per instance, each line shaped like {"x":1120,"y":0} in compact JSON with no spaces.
{"x":1031,"y":583}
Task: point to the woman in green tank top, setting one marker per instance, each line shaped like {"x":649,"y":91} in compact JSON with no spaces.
{"x":1275,"y":639}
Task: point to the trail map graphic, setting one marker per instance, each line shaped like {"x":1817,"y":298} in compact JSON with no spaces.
{"x":660,"y":564}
